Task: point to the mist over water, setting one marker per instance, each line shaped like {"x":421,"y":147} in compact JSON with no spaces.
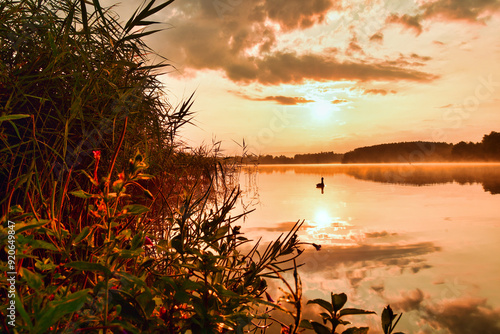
{"x":422,"y":238}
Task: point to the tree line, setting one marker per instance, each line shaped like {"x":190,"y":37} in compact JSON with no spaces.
{"x":307,"y":158}
{"x":488,"y":149}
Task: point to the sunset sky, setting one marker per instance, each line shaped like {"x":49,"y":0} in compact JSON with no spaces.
{"x":294,"y":76}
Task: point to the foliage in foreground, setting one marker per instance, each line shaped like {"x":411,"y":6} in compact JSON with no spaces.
{"x":102,"y":246}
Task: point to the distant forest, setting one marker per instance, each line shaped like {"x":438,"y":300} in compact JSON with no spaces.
{"x":405,"y":152}
{"x":311,"y":158}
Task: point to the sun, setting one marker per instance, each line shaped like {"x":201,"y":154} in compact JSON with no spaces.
{"x":322,"y":219}
{"x":321,"y":110}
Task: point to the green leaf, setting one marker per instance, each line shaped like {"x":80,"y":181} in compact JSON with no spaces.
{"x":33,"y":279}
{"x":130,"y":307}
{"x":83,"y":234}
{"x":323,"y":303}
{"x":13,"y":117}
{"x":136,"y":209}
{"x":319,"y":328}
{"x":221,"y":232}
{"x":82,"y":194}
{"x":129,"y":254}
{"x":44,"y":266}
{"x":40,"y":244}
{"x":91,"y":178}
{"x":137,"y":241}
{"x":24,"y":227}
{"x":89,"y":266}
{"x":20,"y":309}
{"x":351,"y":311}
{"x":338,"y":301}
{"x":55,"y":310}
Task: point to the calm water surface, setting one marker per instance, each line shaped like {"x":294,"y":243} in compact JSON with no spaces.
{"x":423,"y":238}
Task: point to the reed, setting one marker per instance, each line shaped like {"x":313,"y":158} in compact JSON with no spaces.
{"x":119,"y":228}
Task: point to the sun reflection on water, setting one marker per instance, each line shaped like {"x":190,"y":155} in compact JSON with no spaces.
{"x":326,"y":228}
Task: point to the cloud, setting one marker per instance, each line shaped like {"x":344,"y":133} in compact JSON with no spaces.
{"x":419,"y":57}
{"x":446,"y":106}
{"x":375,"y":91}
{"x":280,"y":99}
{"x":463,"y":316}
{"x":413,"y":60}
{"x":292,"y":68}
{"x":354,"y":47}
{"x":243,"y":44}
{"x":339,"y":101}
{"x":468,"y":10}
{"x":281,"y":227}
{"x":380,"y":234}
{"x":447,"y":10}
{"x":286,"y":100}
{"x":387,"y":254}
{"x":408,"y":300}
{"x":407,"y":21}
{"x":377,"y":37}
{"x":293,"y":14}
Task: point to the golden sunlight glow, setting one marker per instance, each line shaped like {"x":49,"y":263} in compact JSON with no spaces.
{"x":322,"y":219}
{"x":322,"y":110}
{"x":325,"y":227}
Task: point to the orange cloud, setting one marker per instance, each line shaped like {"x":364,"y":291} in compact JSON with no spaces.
{"x":379,"y":91}
{"x":407,"y":21}
{"x":377,"y":37}
{"x":463,"y":315}
{"x":472,"y":11}
{"x":285,"y":100}
{"x":291,"y":68}
{"x":293,"y":14}
{"x":241,"y":44}
{"x":446,"y":10}
{"x":280,"y":99}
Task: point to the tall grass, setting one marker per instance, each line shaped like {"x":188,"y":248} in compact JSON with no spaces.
{"x":118,"y":228}
{"x":102,"y":246}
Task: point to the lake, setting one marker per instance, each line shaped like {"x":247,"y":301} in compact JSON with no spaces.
{"x":423,"y":238}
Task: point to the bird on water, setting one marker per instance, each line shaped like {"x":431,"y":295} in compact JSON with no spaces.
{"x":320,"y":185}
